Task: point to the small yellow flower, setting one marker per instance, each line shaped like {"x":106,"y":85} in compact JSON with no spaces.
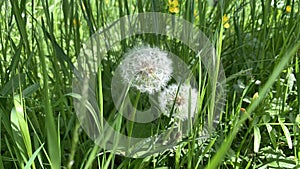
{"x":255,"y":96}
{"x":174,"y":10}
{"x":225,"y":20}
{"x":226,"y":25}
{"x":173,"y":6}
{"x":196,"y":15}
{"x":288,"y":9}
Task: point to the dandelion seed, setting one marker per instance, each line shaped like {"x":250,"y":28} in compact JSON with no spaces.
{"x":147,"y":69}
{"x":167,"y":99}
{"x":288,"y":8}
{"x":173,"y":6}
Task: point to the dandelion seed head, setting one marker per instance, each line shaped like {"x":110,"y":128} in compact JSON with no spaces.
{"x":147,"y":69}
{"x":181,"y":103}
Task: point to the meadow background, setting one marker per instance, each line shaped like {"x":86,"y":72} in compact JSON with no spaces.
{"x":257,"y":42}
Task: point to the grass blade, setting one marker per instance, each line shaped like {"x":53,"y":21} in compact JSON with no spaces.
{"x":52,"y":135}
{"x":32,"y":158}
{"x":287,"y":135}
{"x":257,"y":138}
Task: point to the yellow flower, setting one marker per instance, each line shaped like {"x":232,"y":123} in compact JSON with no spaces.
{"x":288,"y":8}
{"x":225,"y":20}
{"x":173,"y":6}
{"x":255,"y":96}
{"x":196,"y":15}
{"x":226,"y":25}
{"x":174,"y":10}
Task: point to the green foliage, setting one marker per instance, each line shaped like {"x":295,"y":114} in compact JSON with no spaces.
{"x":256,"y":41}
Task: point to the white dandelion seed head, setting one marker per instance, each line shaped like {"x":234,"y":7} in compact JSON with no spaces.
{"x":181,"y":103}
{"x":147,"y":69}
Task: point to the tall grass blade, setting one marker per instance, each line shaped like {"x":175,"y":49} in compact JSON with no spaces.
{"x":32,"y":158}
{"x":52,"y":135}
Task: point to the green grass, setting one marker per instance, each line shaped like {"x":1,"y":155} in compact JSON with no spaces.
{"x":260,"y":52}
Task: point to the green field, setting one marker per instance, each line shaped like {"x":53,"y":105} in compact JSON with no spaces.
{"x":256,"y":43}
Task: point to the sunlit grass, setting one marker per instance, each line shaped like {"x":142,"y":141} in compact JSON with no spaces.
{"x":257,"y":43}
